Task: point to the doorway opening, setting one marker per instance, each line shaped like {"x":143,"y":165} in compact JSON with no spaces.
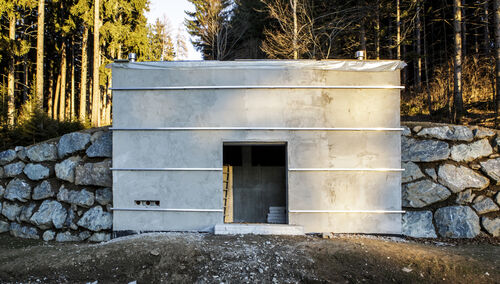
{"x":255,"y":183}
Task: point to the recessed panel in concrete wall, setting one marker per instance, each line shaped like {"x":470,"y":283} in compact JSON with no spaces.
{"x":342,"y":139}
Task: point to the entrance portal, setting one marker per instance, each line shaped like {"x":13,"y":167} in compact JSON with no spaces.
{"x":255,"y":183}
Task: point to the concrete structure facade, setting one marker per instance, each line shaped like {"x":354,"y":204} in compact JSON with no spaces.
{"x":339,"y":121}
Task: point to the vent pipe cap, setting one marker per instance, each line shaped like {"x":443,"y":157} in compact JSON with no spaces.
{"x":132,"y":57}
{"x":360,"y":54}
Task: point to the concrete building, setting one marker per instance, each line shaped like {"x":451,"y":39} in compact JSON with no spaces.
{"x":309,"y":143}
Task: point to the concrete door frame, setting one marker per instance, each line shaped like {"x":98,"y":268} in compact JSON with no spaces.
{"x":262,"y":143}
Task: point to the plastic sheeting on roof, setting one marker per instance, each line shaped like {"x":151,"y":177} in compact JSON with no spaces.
{"x":340,"y":65}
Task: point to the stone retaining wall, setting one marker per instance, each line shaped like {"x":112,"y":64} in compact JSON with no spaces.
{"x":450,"y":181}
{"x":61,"y":189}
{"x":58,"y":189}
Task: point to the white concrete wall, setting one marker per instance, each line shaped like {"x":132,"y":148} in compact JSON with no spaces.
{"x":310,"y":190}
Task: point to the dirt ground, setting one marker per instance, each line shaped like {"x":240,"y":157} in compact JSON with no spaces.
{"x":205,"y":258}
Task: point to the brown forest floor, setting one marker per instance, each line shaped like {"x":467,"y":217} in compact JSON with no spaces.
{"x":205,"y":258}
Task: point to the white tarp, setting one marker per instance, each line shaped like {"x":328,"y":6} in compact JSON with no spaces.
{"x":333,"y":65}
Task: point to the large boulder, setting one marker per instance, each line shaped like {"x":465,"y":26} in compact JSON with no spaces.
{"x":26,"y":232}
{"x":14,"y":169}
{"x":42,"y":152}
{"x":65,"y":170}
{"x":491,"y":225}
{"x":43,"y":190}
{"x":72,"y":142}
{"x":457,"y":222}
{"x":82,"y":197}
{"x":422,"y":193}
{"x":472,"y":151}
{"x":102,"y":146}
{"x":95,"y":219}
{"x":418,"y":224}
{"x":411,"y":172}
{"x":36,"y":171}
{"x":51,"y":213}
{"x":4,"y":226}
{"x":483,"y":205}
{"x":94,"y":174}
{"x":452,"y":132}
{"x":7,"y":157}
{"x":11,"y":210}
{"x":423,"y":150}
{"x":458,"y":178}
{"x":104,"y":196}
{"x":491,"y":168}
{"x":18,"y":189}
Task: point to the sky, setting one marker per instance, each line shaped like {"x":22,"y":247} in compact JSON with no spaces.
{"x":174,"y":10}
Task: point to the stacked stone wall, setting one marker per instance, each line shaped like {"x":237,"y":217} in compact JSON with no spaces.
{"x":58,"y":189}
{"x":450,"y":183}
{"x":61,"y":189}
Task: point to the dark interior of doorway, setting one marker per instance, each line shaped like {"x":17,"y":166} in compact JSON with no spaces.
{"x":258,"y":183}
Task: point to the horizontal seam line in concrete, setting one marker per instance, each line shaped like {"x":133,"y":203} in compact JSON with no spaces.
{"x":260,"y":128}
{"x":250,"y":87}
{"x":168,"y":209}
{"x":166,"y":169}
{"x":349,"y":211}
{"x":291,"y":169}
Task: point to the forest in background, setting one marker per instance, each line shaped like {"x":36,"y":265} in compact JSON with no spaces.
{"x":53,"y":55}
{"x":449,"y":45}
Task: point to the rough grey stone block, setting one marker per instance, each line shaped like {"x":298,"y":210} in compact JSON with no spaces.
{"x":42,"y":152}
{"x":411,"y":172}
{"x":65,"y":170}
{"x":472,"y":151}
{"x":457,"y":222}
{"x":14,"y":169}
{"x":95,"y":219}
{"x":491,"y":225}
{"x":104,"y":196}
{"x":43,"y":190}
{"x":26,"y":232}
{"x":418,"y":224}
{"x":422,"y":193}
{"x":100,"y":237}
{"x":7,"y":157}
{"x":423,"y":150}
{"x":36,"y":171}
{"x":94,"y":174}
{"x":26,"y":212}
{"x":102,"y":147}
{"x":460,"y":178}
{"x":82,"y":197}
{"x":51,"y":213}
{"x":48,"y":235}
{"x":452,"y":132}
{"x":18,"y":189}
{"x":465,"y":197}
{"x":4,"y":226}
{"x":72,"y":142}
{"x":483,"y":205}
{"x":491,"y":168}
{"x":11,"y":210}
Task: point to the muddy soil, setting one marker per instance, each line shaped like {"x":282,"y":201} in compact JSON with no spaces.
{"x":205,"y":258}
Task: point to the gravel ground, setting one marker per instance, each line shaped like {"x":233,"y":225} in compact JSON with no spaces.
{"x":205,"y":258}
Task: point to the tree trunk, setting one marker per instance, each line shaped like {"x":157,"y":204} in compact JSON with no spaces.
{"x":83,"y":78}
{"x":72,"y":100}
{"x":464,"y":30}
{"x":39,"y":54}
{"x":62,"y":96}
{"x":56,"y":97}
{"x":458,"y":107}
{"x":95,"y":78}
{"x":377,"y":31}
{"x":51,"y":95}
{"x":398,"y":33}
{"x":426,"y":63}
{"x":295,"y":36}
{"x":486,"y":30}
{"x":11,"y":108}
{"x":497,"y":54}
{"x":418,"y":30}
